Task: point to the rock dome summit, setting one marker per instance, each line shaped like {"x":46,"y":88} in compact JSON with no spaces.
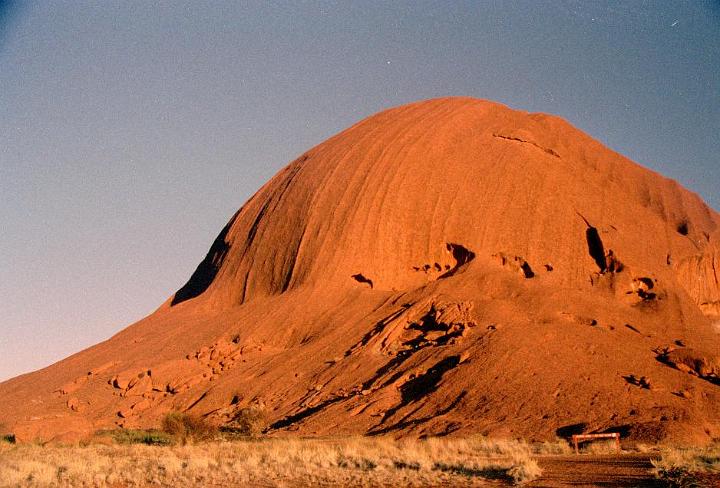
{"x":450,"y":266}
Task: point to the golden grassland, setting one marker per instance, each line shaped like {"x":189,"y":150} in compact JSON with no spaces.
{"x":190,"y":452}
{"x":355,"y":461}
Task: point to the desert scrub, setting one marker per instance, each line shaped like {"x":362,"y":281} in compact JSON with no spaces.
{"x":132,"y":436}
{"x":688,"y":467}
{"x":5,"y":436}
{"x":296,"y":462}
{"x":599,"y":447}
{"x":188,"y":428}
{"x":250,"y":421}
{"x":555,"y":448}
{"x":524,"y":470}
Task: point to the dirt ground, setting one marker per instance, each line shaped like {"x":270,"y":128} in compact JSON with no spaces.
{"x":628,"y":470}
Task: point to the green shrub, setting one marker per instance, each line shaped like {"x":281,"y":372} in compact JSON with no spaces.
{"x":9,"y":438}
{"x":6,"y":436}
{"x":148,"y":437}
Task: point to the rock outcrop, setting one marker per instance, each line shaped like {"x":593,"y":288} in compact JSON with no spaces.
{"x":446,"y":267}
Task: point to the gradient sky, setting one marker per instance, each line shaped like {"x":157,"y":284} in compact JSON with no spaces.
{"x":130,"y":132}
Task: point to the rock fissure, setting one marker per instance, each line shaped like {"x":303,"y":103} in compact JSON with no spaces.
{"x":517,"y":139}
{"x":291,"y":269}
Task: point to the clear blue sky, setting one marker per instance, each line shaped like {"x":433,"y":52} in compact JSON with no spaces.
{"x":131,"y":131}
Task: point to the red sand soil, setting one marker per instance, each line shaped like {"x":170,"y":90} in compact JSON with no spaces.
{"x":629,"y":470}
{"x":446,"y":267}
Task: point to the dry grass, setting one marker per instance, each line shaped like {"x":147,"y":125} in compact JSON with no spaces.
{"x":557,"y":448}
{"x":273,"y":462}
{"x":599,"y":447}
{"x":688,"y":467}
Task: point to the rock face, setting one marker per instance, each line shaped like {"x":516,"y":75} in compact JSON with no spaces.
{"x":448,"y":266}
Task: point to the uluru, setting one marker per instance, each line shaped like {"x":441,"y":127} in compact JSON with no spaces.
{"x":447,"y":267}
